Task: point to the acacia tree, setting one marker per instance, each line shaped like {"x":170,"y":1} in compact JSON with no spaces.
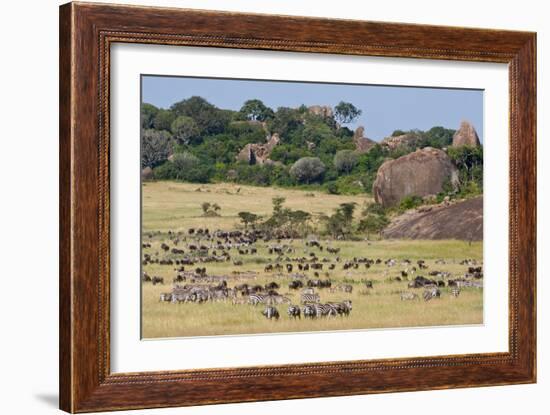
{"x":346,"y":112}
{"x":256,"y":110}
{"x":155,"y":147}
{"x":248,"y":218}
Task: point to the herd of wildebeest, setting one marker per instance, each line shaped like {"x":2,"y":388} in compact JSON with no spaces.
{"x":306,"y":265}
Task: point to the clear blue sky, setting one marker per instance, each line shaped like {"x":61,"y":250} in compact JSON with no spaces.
{"x":385,"y":108}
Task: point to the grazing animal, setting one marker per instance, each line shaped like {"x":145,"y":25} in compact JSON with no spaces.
{"x":294,"y":311}
{"x":409,"y":296}
{"x":310,"y":298}
{"x":157,"y":280}
{"x":295,"y":284}
{"x":271,"y":313}
{"x":325,"y":310}
{"x":432,"y":293}
{"x":165,"y":297}
{"x":309,"y":311}
{"x":455,"y":292}
{"x":343,"y":308}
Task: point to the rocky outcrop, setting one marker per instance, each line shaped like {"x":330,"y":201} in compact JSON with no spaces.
{"x":321,"y":110}
{"x":362,"y":144}
{"x":466,"y":135}
{"x":409,"y":141}
{"x":255,"y":153}
{"x":147,"y":174}
{"x":460,"y":220}
{"x":421,"y":173}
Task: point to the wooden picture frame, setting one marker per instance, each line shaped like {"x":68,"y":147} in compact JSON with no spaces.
{"x":86,"y":33}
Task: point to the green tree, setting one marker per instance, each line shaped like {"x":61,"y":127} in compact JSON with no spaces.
{"x":373,"y":223}
{"x":255,"y":110}
{"x":163,"y":120}
{"x":248,"y":218}
{"x":345,"y":161}
{"x":346,"y":112}
{"x":148,"y":114}
{"x":285,"y":121}
{"x":307,"y":170}
{"x":155,"y":147}
{"x":184,"y":130}
{"x":209,"y":119}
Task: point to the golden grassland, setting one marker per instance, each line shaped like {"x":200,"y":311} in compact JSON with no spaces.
{"x":176,"y":207}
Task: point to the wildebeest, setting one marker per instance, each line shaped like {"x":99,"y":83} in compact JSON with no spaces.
{"x":157,"y":280}
{"x":295,"y":284}
{"x":309,"y":311}
{"x":294,"y":311}
{"x":271,"y":313}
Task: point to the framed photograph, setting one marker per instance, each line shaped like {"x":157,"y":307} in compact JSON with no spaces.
{"x":258,"y":207}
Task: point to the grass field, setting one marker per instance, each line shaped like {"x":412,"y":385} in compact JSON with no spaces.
{"x":176,"y":207}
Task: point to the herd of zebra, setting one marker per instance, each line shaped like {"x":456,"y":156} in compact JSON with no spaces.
{"x":309,"y":275}
{"x":256,"y":295}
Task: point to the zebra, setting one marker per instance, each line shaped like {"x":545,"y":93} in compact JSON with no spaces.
{"x":294,"y":311}
{"x":455,"y":292}
{"x":271,"y":313}
{"x":322,"y":310}
{"x":255,"y":299}
{"x":308,"y":290}
{"x":408,"y":296}
{"x":342,"y":308}
{"x":276,"y":299}
{"x":432,"y":293}
{"x":310,"y":298}
{"x":165,"y":297}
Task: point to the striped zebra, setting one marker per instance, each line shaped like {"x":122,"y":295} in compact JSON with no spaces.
{"x":277,"y":299}
{"x":342,"y":308}
{"x":310,"y":298}
{"x":432,"y":293}
{"x":455,"y":292}
{"x":255,"y":299}
{"x":165,"y":297}
{"x":325,"y":310}
{"x":409,"y":296}
{"x":271,"y":313}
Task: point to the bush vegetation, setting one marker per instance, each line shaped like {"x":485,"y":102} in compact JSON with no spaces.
{"x":195,"y":141}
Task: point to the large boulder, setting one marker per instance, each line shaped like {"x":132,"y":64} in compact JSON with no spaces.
{"x":466,"y":135}
{"x":321,"y":110}
{"x":407,"y":141}
{"x":147,"y":174}
{"x":259,"y":153}
{"x":362,"y":143}
{"x":421,"y":173}
{"x":462,"y":220}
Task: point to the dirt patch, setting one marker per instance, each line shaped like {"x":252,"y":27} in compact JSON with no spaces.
{"x":461,"y":220}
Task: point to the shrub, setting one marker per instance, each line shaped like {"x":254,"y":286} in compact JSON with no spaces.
{"x":410,"y":202}
{"x":155,"y":147}
{"x":184,"y":129}
{"x":345,"y":161}
{"x":307,"y":170}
